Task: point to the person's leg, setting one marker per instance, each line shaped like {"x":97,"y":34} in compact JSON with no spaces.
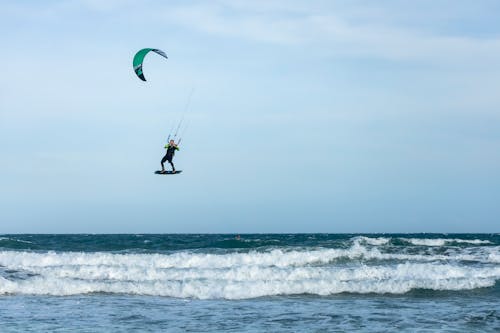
{"x":163,"y":160}
{"x":172,"y":164}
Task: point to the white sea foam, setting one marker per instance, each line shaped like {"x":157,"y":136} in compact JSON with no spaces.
{"x":443,"y":241}
{"x":276,"y":257}
{"x":371,"y":240}
{"x":15,"y":240}
{"x":246,"y":275}
{"x":248,"y":282}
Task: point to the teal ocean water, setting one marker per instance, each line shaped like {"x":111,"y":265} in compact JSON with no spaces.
{"x":250,"y":283}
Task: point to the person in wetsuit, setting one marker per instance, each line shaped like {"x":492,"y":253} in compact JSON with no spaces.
{"x":171,"y":147}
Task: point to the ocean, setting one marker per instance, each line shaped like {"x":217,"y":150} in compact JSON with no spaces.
{"x":251,"y":283}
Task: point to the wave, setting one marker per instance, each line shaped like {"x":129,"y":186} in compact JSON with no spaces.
{"x":214,"y":243}
{"x":372,"y":241}
{"x":15,"y":240}
{"x":250,"y":282}
{"x":275,"y":257}
{"x":443,"y":241}
{"x":377,"y":241}
{"x":358,"y":269}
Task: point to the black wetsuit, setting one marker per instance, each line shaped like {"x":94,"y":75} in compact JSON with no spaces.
{"x":169,"y":156}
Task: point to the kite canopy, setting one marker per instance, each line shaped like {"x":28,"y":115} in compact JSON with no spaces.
{"x":139,"y":58}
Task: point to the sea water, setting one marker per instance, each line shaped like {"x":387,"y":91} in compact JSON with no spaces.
{"x":251,"y":283}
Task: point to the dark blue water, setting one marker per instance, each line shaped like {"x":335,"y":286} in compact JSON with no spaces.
{"x":251,"y":283}
{"x":175,"y":242}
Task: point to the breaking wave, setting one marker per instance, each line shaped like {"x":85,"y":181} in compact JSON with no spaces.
{"x":444,"y":241}
{"x":368,"y":265}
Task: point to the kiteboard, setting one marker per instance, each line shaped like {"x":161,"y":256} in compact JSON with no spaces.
{"x":158,"y":172}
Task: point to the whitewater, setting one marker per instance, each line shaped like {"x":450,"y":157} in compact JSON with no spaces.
{"x":255,"y":269}
{"x":359,"y":264}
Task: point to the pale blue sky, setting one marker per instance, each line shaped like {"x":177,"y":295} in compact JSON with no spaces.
{"x":308,"y":116}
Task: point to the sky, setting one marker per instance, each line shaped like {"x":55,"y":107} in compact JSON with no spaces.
{"x":307,"y":116}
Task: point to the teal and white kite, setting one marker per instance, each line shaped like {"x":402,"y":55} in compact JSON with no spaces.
{"x":139,"y":58}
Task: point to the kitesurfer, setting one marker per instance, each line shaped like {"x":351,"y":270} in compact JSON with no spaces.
{"x":171,"y":147}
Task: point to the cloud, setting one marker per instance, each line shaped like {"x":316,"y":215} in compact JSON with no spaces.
{"x":356,"y":34}
{"x":396,"y":32}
